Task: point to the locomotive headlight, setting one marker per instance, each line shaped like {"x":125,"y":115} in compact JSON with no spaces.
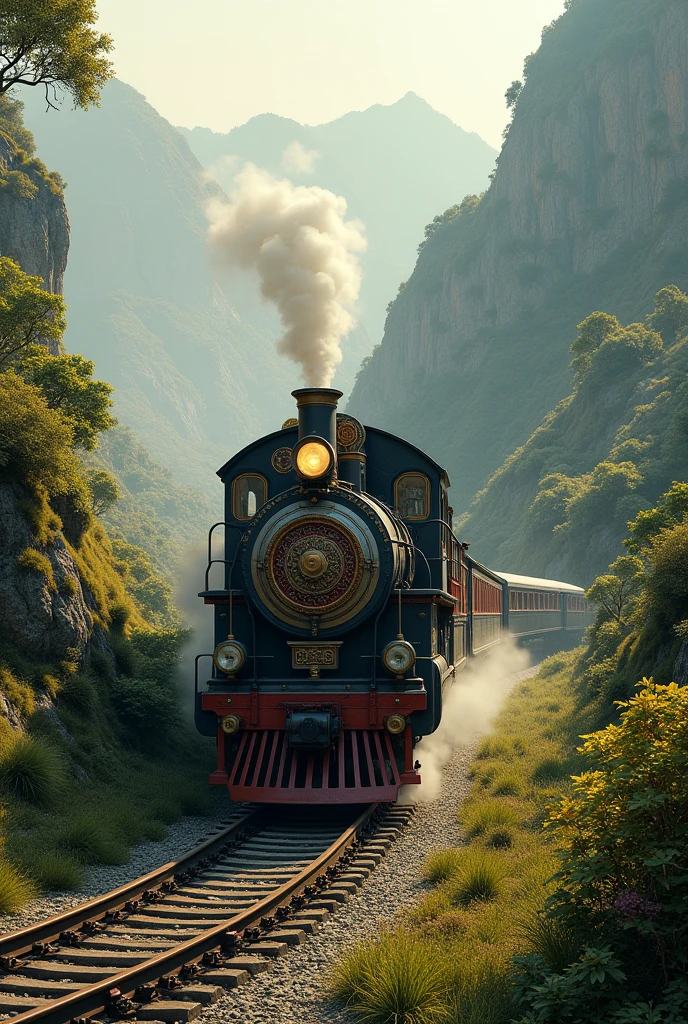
{"x":313,"y":458}
{"x":398,"y":657}
{"x":229,"y":656}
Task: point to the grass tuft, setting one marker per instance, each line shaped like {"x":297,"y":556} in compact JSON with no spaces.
{"x":56,"y":872}
{"x":483,"y":815}
{"x":441,"y":865}
{"x":93,"y":840}
{"x":548,"y":770}
{"x":31,"y":770}
{"x":500,"y":839}
{"x":479,"y":878}
{"x":398,"y":979}
{"x":507,"y":785}
{"x":15,"y":888}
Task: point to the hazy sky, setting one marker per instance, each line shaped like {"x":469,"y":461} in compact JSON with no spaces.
{"x":219,"y":62}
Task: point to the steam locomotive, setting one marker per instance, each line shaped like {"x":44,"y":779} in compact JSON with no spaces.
{"x":347,"y":608}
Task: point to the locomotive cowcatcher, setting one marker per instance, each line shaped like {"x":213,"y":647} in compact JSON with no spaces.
{"x":343,"y":615}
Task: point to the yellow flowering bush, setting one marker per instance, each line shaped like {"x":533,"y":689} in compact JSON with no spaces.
{"x":623,"y":831}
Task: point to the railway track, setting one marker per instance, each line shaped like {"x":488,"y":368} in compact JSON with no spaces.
{"x":171,"y":941}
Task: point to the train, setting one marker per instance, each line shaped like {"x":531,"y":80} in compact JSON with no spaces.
{"x":347,"y":608}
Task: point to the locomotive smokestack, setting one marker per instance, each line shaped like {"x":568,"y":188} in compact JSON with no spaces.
{"x":318,"y":413}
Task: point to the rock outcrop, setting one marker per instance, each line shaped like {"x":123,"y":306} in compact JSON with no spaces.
{"x":34,"y":227}
{"x":44,"y":609}
{"x":588,"y":209}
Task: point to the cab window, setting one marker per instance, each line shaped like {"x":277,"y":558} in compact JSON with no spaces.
{"x":249,"y":492}
{"x":412,"y":496}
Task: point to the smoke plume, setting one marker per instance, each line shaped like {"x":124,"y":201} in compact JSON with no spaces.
{"x":296,"y":159}
{"x":305,"y":252}
{"x":468,"y":711}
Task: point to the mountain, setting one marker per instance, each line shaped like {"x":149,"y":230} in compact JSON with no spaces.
{"x":397,"y":166}
{"x":192,"y":358}
{"x":192,"y":379}
{"x":588,"y":210}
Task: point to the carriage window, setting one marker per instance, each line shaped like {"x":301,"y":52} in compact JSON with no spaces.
{"x":412,"y":496}
{"x":249,"y":492}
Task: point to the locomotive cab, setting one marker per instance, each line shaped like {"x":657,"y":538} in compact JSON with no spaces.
{"x":341,"y":614}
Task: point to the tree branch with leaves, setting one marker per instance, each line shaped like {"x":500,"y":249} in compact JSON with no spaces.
{"x":52,"y":43}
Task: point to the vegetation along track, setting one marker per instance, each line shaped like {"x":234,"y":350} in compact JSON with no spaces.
{"x":163,"y":945}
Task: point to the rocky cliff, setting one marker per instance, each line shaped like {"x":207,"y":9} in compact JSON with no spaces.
{"x":34,"y":228}
{"x":588,"y":209}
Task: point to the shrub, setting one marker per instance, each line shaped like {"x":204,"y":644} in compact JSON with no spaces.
{"x":398,"y":979}
{"x":150,"y":711}
{"x":441,"y":865}
{"x":34,"y":561}
{"x":482,"y":815}
{"x":479,"y":877}
{"x":31,"y":770}
{"x":15,"y":888}
{"x":622,"y":832}
{"x":78,"y":693}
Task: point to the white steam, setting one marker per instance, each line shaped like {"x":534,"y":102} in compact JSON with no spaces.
{"x":296,"y":159}
{"x":305,"y":252}
{"x":468,"y":711}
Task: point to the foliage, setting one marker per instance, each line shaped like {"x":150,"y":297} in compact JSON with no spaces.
{"x":66,"y":384}
{"x":29,"y":315}
{"x":512,"y":94}
{"x":622,"y":832}
{"x":35,"y":561}
{"x":52,"y":43}
{"x":31,"y":770}
{"x":469,"y":204}
{"x":104,"y":490}
{"x":54,"y":871}
{"x":670,"y":314}
{"x":592,"y":333}
{"x":615,"y":591}
{"x":671,"y":509}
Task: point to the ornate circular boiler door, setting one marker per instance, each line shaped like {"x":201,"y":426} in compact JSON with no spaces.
{"x":314,"y":565}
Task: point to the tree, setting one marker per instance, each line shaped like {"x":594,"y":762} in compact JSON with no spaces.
{"x":592,"y":332}
{"x":28,"y":314}
{"x":670,"y":315}
{"x":512,"y":94}
{"x":672,"y":509}
{"x":51,"y":43}
{"x":104,"y":491}
{"x":615,"y":590}
{"x":35,"y":442}
{"x":67,"y":386}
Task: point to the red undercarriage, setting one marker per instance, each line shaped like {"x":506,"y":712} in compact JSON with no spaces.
{"x":365,"y":764}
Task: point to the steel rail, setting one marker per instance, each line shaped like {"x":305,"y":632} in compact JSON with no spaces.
{"x":21,"y":941}
{"x":95,"y":997}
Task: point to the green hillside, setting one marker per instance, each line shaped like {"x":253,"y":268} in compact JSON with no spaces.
{"x":559,"y":505}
